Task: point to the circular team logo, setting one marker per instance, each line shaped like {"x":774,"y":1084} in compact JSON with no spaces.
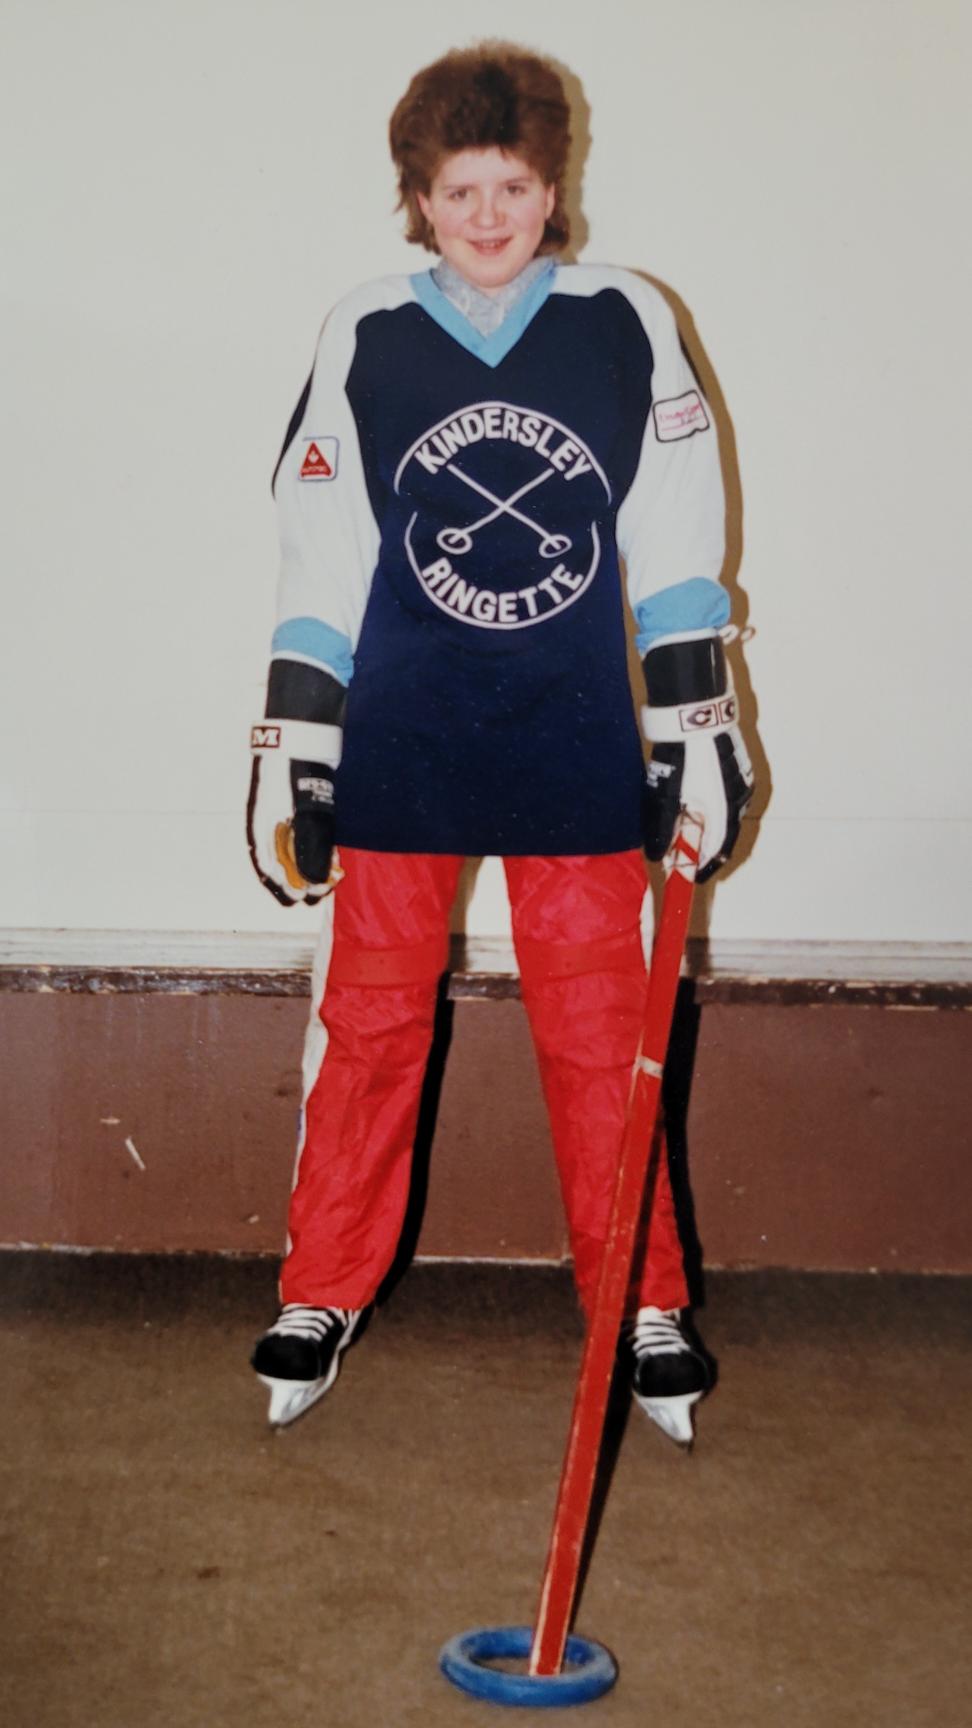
{"x":503,"y":530}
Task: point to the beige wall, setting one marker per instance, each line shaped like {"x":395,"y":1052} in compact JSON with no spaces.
{"x":193,"y":184}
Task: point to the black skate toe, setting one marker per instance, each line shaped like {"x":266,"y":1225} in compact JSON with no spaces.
{"x":283,"y":1357}
{"x":668,"y":1375}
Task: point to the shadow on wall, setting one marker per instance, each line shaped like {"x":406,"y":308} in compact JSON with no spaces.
{"x":422,"y":1149}
{"x":464,"y":893}
{"x":580,"y":149}
{"x":705,"y":372}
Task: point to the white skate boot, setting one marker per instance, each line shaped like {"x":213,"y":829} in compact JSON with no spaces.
{"x":298,"y":1359}
{"x":669,"y":1374}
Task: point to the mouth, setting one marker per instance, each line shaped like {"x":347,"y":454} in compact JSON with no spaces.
{"x":490,"y":248}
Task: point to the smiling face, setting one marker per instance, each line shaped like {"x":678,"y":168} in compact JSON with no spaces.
{"x":488,"y":211}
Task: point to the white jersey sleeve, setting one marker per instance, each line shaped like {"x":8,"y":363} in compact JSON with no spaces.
{"x":329,"y":538}
{"x":671,"y":525}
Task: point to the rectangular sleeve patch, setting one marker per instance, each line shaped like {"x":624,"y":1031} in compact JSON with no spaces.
{"x":679,"y":417}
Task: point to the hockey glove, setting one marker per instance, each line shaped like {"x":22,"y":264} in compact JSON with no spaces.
{"x":296,"y":752}
{"x":698,"y":759}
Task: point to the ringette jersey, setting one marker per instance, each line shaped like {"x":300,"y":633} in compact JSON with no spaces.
{"x":451,"y":510}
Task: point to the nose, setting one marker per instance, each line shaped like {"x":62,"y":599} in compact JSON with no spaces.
{"x":486,"y":214}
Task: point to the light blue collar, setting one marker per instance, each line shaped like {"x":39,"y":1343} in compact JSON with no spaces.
{"x":495,"y":346}
{"x":486,"y":312}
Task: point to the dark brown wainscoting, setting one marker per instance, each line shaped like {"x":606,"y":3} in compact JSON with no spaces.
{"x":822,"y":1123}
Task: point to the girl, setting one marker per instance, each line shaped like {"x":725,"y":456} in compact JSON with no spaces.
{"x":475,"y":447}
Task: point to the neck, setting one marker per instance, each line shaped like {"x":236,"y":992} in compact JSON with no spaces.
{"x":451,"y":273}
{"x":486,"y":310}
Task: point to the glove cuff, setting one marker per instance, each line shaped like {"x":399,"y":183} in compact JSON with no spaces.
{"x":674,"y":725}
{"x":689,"y":688}
{"x":299,"y":740}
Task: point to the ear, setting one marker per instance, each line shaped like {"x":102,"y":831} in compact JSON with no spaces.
{"x":425,"y":207}
{"x":549,"y":200}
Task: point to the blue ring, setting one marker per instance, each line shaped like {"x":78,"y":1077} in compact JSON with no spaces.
{"x":594,"y":1669}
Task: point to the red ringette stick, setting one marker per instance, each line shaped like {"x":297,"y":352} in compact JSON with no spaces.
{"x":597,"y":1367}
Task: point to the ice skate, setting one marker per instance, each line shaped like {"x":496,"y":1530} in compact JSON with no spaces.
{"x":298,"y":1359}
{"x":669,"y":1374}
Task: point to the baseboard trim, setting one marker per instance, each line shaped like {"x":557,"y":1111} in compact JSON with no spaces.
{"x":139,"y":962}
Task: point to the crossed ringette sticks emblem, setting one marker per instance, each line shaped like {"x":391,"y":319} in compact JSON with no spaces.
{"x":459,"y":540}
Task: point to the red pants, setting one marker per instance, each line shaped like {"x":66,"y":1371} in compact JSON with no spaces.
{"x":576,"y":930}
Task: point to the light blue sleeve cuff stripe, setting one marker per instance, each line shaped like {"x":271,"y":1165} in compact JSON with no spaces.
{"x":315,"y":640}
{"x":698,"y":604}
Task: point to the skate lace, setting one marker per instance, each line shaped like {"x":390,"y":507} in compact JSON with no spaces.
{"x":298,"y":1321}
{"x":656,"y":1332}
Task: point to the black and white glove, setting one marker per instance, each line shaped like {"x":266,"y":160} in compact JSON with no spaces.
{"x":698,"y":759}
{"x":290,"y":813}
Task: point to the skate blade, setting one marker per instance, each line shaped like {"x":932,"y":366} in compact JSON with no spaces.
{"x":672,"y":1415}
{"x":290,"y":1398}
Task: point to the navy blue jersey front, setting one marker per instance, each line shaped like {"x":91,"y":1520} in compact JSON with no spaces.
{"x":452,"y":508}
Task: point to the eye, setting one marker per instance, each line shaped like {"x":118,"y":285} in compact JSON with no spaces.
{"x":457,"y":194}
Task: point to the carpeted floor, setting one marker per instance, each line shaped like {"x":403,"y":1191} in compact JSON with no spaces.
{"x":170,"y":1563}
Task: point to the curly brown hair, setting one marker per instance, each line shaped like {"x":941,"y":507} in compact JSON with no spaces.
{"x":494,"y":94}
